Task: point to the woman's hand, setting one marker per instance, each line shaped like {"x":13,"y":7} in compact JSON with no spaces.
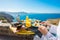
{"x":43,"y":30}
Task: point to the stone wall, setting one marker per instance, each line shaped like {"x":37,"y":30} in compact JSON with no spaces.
{"x":54,"y":21}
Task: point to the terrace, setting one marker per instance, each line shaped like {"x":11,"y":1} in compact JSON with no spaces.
{"x":7,"y":30}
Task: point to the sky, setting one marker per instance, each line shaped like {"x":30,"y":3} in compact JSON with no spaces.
{"x":36,"y":6}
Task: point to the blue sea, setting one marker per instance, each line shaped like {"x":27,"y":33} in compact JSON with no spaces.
{"x":41,"y":16}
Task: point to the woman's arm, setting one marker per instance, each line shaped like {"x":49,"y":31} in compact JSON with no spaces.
{"x":47,"y":33}
{"x":50,"y":36}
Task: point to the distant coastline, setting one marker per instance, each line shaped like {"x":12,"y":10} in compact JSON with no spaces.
{"x":39,"y":16}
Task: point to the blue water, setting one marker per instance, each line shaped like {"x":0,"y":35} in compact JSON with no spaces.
{"x":36,"y":16}
{"x":41,"y":16}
